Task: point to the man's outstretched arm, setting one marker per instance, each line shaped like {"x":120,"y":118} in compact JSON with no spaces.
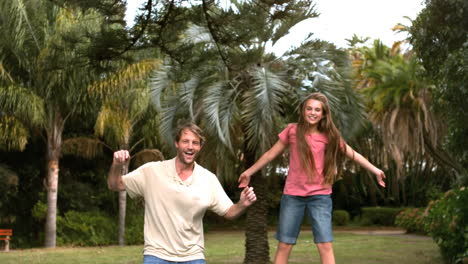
{"x":247,"y":198}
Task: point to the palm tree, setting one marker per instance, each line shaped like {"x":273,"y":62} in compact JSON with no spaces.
{"x":241,"y":94}
{"x":127,"y":120}
{"x":44,"y":76}
{"x":399,"y":103}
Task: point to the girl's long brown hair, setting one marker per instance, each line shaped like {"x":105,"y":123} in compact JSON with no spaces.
{"x":335,"y":149}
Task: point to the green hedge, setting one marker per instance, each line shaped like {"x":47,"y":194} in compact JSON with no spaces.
{"x":340,"y":217}
{"x":86,"y":229}
{"x":134,"y":229}
{"x":447,"y":224}
{"x":379,"y":215}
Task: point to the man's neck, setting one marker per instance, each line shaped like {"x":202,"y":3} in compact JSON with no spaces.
{"x":184,"y":170}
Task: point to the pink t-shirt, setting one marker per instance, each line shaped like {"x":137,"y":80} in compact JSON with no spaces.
{"x":298,"y":183}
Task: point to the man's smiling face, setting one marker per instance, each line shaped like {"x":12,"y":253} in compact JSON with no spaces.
{"x":188,"y":147}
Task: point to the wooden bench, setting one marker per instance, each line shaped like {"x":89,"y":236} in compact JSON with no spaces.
{"x":5,"y":234}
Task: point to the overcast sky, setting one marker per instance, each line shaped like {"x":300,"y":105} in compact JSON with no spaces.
{"x":340,"y":19}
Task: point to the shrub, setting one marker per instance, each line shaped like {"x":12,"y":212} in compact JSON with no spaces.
{"x":379,"y":215}
{"x":340,"y":217}
{"x":447,"y":224}
{"x":134,"y":222}
{"x":134,"y":229}
{"x":411,"y":219}
{"x":86,"y":229}
{"x":39,"y":211}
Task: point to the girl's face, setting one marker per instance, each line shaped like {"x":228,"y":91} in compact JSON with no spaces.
{"x":313,"y":112}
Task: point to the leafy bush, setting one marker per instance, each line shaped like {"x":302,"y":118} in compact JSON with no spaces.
{"x":340,"y":217}
{"x":39,"y":210}
{"x":86,"y":229}
{"x":411,"y":219}
{"x":379,"y":215}
{"x":135,"y":221}
{"x":134,"y":230}
{"x":447,"y":224}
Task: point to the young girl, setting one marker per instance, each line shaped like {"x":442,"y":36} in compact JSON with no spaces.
{"x":316,"y":152}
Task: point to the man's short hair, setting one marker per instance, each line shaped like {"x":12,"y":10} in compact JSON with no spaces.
{"x":192,"y":127}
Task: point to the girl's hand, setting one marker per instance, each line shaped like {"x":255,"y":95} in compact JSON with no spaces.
{"x":380,"y":175}
{"x":244,"y":180}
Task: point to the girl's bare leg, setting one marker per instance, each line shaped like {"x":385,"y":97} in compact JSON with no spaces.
{"x":326,"y":253}
{"x":282,"y":253}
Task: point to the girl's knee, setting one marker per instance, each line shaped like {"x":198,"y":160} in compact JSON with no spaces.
{"x":325,"y":246}
{"x":284,"y":246}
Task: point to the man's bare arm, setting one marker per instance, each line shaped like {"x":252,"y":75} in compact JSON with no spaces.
{"x":114,"y":179}
{"x":247,"y":198}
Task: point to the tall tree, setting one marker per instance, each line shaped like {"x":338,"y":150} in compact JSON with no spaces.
{"x":399,"y":100}
{"x":127,"y":120}
{"x":46,"y":67}
{"x":241,"y":94}
{"x":238,"y":93}
{"x":439,"y":36}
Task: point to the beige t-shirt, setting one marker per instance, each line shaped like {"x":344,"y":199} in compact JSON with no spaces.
{"x":174,"y":209}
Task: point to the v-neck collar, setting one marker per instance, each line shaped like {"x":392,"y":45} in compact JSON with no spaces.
{"x":176,"y":177}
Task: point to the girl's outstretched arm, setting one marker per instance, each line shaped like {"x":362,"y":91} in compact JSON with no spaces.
{"x":359,"y":159}
{"x":271,"y":154}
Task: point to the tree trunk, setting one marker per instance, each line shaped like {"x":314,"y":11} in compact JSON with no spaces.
{"x":122,"y":213}
{"x":123,"y":203}
{"x":51,"y":216}
{"x":256,"y":243}
{"x":54,"y":143}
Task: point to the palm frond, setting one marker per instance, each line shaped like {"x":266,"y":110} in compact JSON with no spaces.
{"x":220,"y":110}
{"x":261,"y":105}
{"x":169,"y":113}
{"x":137,"y":102}
{"x":302,"y":9}
{"x":88,"y":148}
{"x":160,"y":83}
{"x":187,"y":93}
{"x":19,"y":21}
{"x":399,"y":27}
{"x":197,"y":35}
{"x":147,"y":132}
{"x":22,"y":103}
{"x":5,"y":75}
{"x":114,"y":125}
{"x":216,"y":157}
{"x":13,"y":134}
{"x":116,"y":82}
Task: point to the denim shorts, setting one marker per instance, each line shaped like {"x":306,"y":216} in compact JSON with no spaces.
{"x":150,"y":259}
{"x":292,"y":208}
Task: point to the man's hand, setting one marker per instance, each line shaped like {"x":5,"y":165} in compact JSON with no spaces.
{"x":121,"y":157}
{"x":247,"y":197}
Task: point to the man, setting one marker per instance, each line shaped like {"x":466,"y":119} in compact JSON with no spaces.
{"x":177,"y":193}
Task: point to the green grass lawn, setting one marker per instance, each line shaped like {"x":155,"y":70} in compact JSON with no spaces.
{"x":223,"y":247}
